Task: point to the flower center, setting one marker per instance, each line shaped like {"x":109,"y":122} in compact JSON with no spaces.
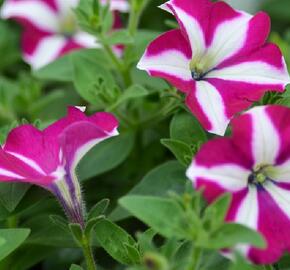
{"x":260,"y":174}
{"x":197,"y":70}
{"x":68,"y":25}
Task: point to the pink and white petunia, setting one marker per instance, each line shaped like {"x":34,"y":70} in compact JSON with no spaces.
{"x":49,"y":158}
{"x":50,"y":28}
{"x":254,"y":166}
{"x":219,"y":58}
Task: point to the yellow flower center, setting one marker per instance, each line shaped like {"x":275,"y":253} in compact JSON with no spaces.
{"x":261,"y":173}
{"x":68,"y":25}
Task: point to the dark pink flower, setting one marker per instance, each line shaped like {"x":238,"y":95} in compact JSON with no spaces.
{"x":49,"y":158}
{"x":219,"y":58}
{"x":254,"y":166}
{"x":50,"y":28}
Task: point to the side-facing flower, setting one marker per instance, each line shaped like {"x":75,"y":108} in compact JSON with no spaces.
{"x":219,"y":58}
{"x":254,"y":166}
{"x":50,"y":28}
{"x":49,"y":158}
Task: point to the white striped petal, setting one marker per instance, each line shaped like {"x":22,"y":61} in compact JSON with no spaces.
{"x":229,"y":176}
{"x":31,"y":163}
{"x":281,"y":173}
{"x":120,"y":5}
{"x":213,"y":106}
{"x":265,"y":138}
{"x":6,"y":173}
{"x":194,"y":31}
{"x":66,"y":6}
{"x":171,"y":62}
{"x":37,"y":12}
{"x":47,"y":50}
{"x":280,"y":196}
{"x":256,"y":72}
{"x":86,"y":40}
{"x":247,"y":215}
{"x":229,"y":37}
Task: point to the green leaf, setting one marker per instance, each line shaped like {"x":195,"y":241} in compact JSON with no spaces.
{"x":133,"y":253}
{"x":91,"y":78}
{"x":11,"y":194}
{"x":184,"y":127}
{"x":106,"y":156}
{"x":215,"y":213}
{"x":22,"y":258}
{"x":46,"y":233}
{"x":91,"y":224}
{"x":169,"y":176}
{"x":13,"y":238}
{"x":241,"y":264}
{"x":2,"y":241}
{"x":75,"y":267}
{"x":60,"y":222}
{"x":113,"y":239}
{"x":279,"y":10}
{"x":134,"y":91}
{"x":62,"y":68}
{"x":99,"y":208}
{"x":180,"y":150}
{"x":119,"y":37}
{"x":231,"y":234}
{"x":164,"y":216}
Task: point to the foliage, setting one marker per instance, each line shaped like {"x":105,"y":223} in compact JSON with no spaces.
{"x":153,"y":219}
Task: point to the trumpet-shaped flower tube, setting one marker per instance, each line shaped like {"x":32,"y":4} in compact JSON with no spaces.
{"x":49,"y":158}
{"x":50,"y":28}
{"x":254,"y":166}
{"x":219,"y":58}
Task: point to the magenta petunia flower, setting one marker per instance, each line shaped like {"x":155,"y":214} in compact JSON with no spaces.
{"x":253,"y":165}
{"x":50,"y":28}
{"x":219,"y":58}
{"x":49,"y":158}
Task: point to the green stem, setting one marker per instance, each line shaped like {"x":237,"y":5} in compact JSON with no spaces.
{"x":88,"y":254}
{"x":113,"y":57}
{"x":133,"y":22}
{"x":119,"y":65}
{"x":195,"y":260}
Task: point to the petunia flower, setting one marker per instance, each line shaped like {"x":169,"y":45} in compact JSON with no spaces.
{"x":219,"y":59}
{"x":254,"y":166}
{"x":49,"y":158}
{"x":50,"y":28}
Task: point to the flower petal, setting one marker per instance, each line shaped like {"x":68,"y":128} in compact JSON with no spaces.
{"x":248,"y":214}
{"x":188,"y":15}
{"x":264,"y":67}
{"x":265,"y":137}
{"x":229,"y":177}
{"x":48,"y":49}
{"x":66,"y":7}
{"x":85,"y":40}
{"x":120,"y":5}
{"x":237,"y":37}
{"x":21,"y":169}
{"x":279,"y":116}
{"x":208,"y":106}
{"x":168,"y":57}
{"x":75,"y":143}
{"x":38,"y":13}
{"x":273,"y":203}
{"x":28,"y":145}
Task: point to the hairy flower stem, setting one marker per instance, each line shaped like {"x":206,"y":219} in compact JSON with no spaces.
{"x":88,"y":253}
{"x":195,"y":258}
